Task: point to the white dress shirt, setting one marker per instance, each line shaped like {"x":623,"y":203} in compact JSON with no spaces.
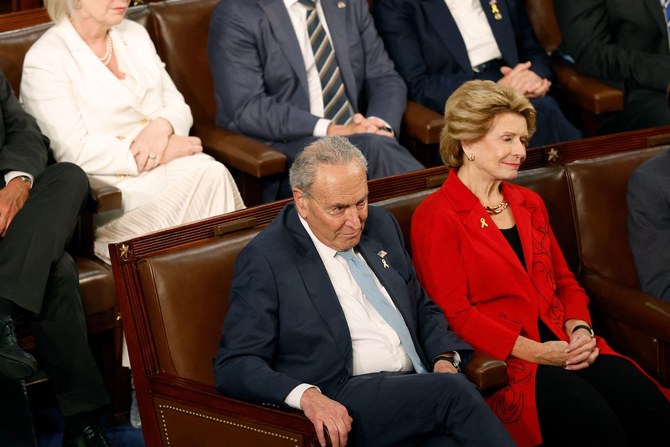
{"x":11,"y":175}
{"x":475,"y":30}
{"x":376,"y":346}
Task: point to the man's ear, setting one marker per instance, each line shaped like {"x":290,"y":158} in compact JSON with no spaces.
{"x":300,"y":200}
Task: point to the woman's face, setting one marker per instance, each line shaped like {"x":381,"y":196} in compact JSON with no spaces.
{"x":105,"y":13}
{"x":499,"y":154}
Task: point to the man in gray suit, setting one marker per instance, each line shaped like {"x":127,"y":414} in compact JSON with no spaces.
{"x":648,"y":200}
{"x":270,"y":85}
{"x":624,"y":42}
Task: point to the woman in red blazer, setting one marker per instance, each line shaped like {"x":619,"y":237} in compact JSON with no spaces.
{"x":485,"y":252}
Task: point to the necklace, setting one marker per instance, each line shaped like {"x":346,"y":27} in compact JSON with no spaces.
{"x":499,"y":208}
{"x":107,"y":58}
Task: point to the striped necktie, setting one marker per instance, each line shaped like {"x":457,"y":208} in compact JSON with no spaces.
{"x":336,"y":105}
{"x":390,"y":314}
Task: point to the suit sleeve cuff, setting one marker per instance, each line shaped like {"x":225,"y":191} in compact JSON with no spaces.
{"x":11,"y":175}
{"x":321,"y":128}
{"x":293,"y":398}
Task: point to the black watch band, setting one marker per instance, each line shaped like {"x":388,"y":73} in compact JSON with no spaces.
{"x":452,"y":358}
{"x":585,"y":327}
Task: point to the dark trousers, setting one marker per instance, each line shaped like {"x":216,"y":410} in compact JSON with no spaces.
{"x":385,"y":157}
{"x":609,"y":403}
{"x":42,"y":280}
{"x":398,"y":409}
{"x":643,"y":109}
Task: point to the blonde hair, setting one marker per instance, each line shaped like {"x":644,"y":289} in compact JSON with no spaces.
{"x":59,"y":10}
{"x":469,"y":115}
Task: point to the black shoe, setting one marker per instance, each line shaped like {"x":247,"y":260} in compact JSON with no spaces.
{"x":15,"y":363}
{"x":91,"y":436}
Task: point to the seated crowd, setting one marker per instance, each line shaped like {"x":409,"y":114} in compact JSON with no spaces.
{"x":312,"y":79}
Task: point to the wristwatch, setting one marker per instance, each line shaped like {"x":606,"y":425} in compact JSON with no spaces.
{"x":585,"y":327}
{"x":453,"y":357}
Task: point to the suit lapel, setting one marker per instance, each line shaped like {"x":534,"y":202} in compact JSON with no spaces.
{"x":478,"y":223}
{"x":88,"y":62}
{"x":502,"y":30}
{"x":656,"y":11}
{"x":318,"y":285}
{"x":336,"y":18}
{"x":280,"y":22}
{"x":445,"y":26}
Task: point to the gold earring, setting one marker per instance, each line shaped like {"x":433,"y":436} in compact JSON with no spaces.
{"x":77,"y":4}
{"x":470,"y":157}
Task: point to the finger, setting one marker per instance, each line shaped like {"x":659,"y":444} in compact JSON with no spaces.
{"x":320,"y":435}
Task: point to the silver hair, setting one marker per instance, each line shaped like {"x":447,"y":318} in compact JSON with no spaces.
{"x":326,"y":150}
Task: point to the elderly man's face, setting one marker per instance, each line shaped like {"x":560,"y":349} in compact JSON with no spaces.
{"x":337,"y":205}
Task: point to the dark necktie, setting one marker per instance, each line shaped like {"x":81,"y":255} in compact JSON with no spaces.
{"x":335,"y":102}
{"x":390,"y":314}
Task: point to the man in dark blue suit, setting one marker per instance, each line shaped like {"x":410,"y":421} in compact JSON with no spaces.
{"x":268,"y":83}
{"x":624,"y":42}
{"x":438,"y":46}
{"x":301,"y":332}
{"x":648,"y":198}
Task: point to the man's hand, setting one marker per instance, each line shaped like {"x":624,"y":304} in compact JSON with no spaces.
{"x":12,"y":198}
{"x":359,"y":124}
{"x":443,"y":366}
{"x":522,"y":79}
{"x":326,"y":414}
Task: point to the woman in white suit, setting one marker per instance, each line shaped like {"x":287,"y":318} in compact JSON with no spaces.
{"x":101,"y":94}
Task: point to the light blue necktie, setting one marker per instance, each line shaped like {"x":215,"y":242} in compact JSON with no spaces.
{"x":666,"y":9}
{"x":390,"y":314}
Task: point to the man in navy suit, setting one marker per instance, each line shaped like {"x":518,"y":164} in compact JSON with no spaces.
{"x":438,"y":46}
{"x":301,"y":332}
{"x":267,"y":82}
{"x":40,"y":203}
{"x":624,"y":42}
{"x":648,"y":198}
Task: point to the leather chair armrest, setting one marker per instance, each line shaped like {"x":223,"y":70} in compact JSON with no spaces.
{"x":198,"y":412}
{"x":422,"y":124}
{"x":486,"y":371}
{"x":595,"y":96}
{"x":644,"y":312}
{"x":107,"y":197}
{"x":240,"y":152}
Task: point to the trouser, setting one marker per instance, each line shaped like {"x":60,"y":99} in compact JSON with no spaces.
{"x":407,"y":409}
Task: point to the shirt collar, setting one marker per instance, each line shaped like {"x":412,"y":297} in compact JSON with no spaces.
{"x":326,"y":253}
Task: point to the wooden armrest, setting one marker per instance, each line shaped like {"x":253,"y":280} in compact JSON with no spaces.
{"x":595,"y":96}
{"x":240,"y":152}
{"x":486,"y":371}
{"x":646,"y":313}
{"x":422,"y":124}
{"x":107,"y":197}
{"x":187,"y":406}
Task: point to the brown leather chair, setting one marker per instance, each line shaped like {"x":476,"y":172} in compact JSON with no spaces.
{"x":592,"y":99}
{"x":635,"y":323}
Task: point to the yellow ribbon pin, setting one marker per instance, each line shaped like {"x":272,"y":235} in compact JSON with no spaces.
{"x":483,"y":222}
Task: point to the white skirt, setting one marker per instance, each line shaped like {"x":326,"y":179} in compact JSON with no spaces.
{"x":185,"y":190}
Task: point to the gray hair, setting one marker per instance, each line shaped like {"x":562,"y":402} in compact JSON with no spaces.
{"x":326,"y":150}
{"x":59,"y":10}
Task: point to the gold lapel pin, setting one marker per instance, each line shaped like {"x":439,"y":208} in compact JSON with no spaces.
{"x":386,"y":265}
{"x":483,"y":222}
{"x":341,"y":5}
